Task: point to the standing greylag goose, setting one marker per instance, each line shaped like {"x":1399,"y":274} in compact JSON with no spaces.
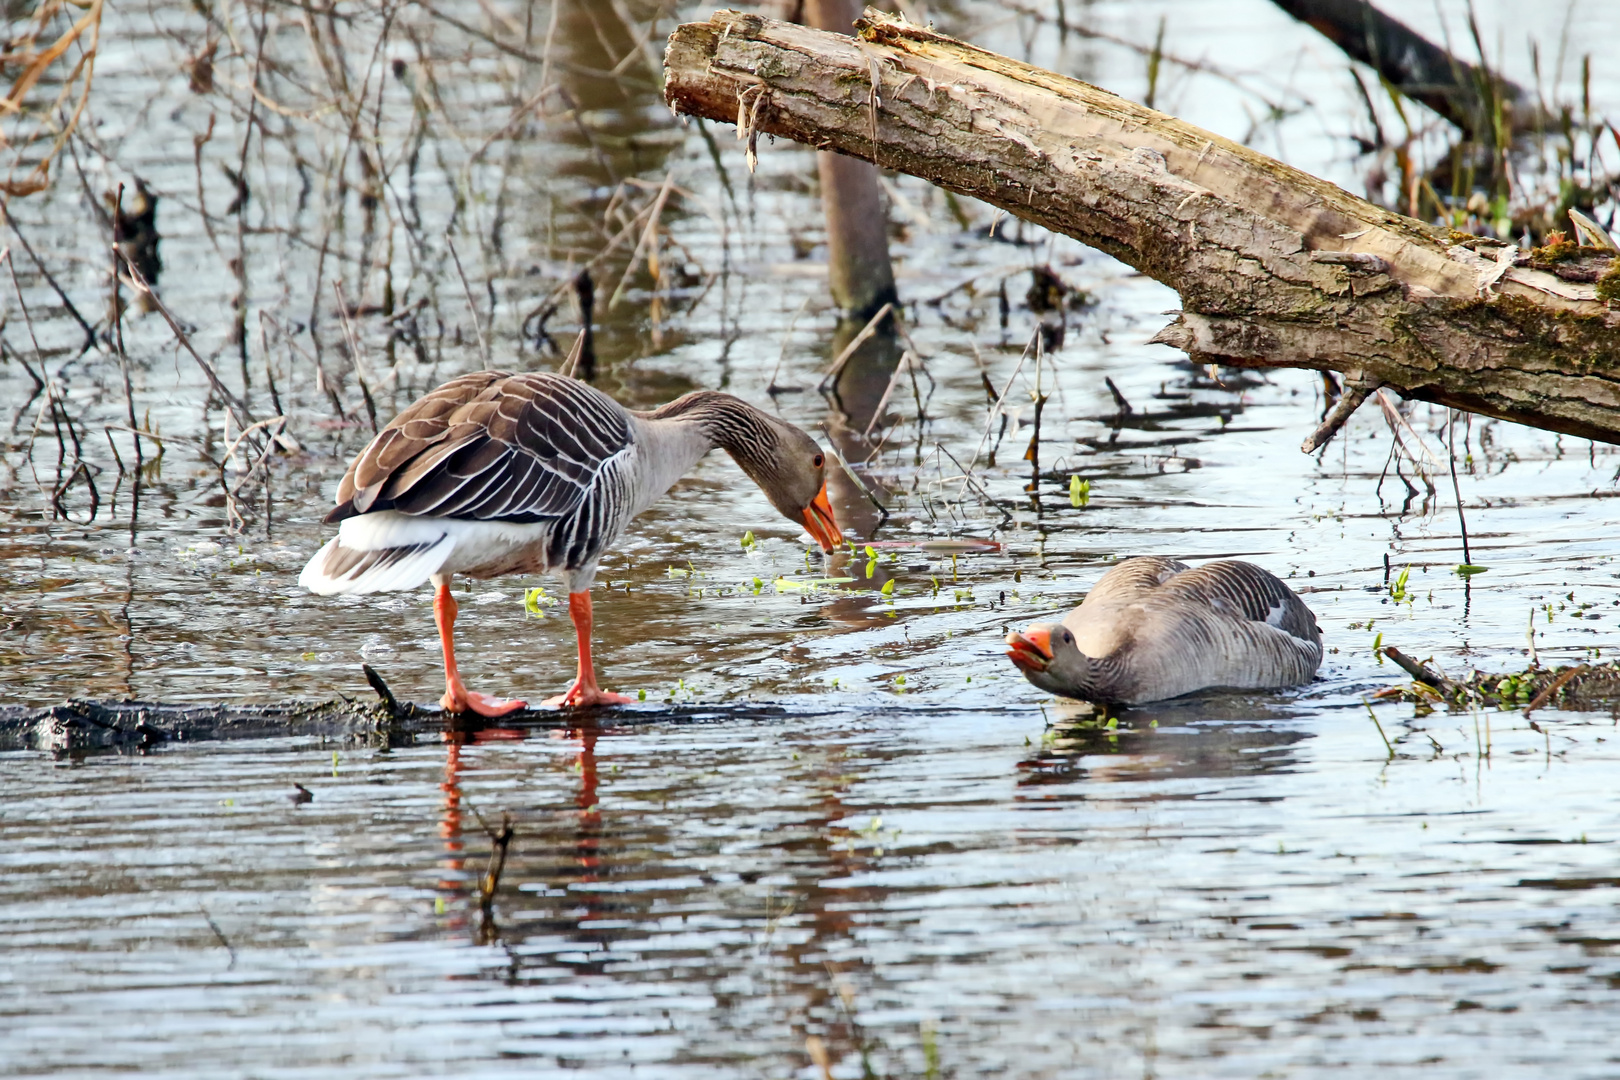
{"x":495,"y":473}
{"x":1152,"y":629}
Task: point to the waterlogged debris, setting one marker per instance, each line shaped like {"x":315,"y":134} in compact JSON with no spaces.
{"x":1592,"y":685}
{"x":1079,"y":491}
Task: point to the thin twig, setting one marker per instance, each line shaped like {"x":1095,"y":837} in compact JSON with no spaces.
{"x":483,"y":345}
{"x":856,"y":342}
{"x":136,"y":281}
{"x":1553,"y":687}
{"x":1451,"y":447}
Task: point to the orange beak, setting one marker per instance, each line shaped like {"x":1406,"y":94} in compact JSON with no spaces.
{"x":818,"y":519}
{"x":1031,"y":650}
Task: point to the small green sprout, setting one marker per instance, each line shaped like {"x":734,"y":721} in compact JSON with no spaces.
{"x":534,"y":598}
{"x":641,"y":695}
{"x":758,"y":585}
{"x":1079,"y":491}
{"x":1468,"y":570}
{"x":888,"y":588}
{"x":677,"y":572}
{"x":748,"y":540}
{"x":1397,"y":591}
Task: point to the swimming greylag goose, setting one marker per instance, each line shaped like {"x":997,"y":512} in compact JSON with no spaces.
{"x":495,"y":473}
{"x":1152,"y":629}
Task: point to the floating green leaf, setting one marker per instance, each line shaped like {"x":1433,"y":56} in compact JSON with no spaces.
{"x":1468,"y":570}
{"x":1079,"y":491}
{"x":888,"y":588}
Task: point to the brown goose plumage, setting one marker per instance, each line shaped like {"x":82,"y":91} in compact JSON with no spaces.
{"x":1153,"y":628}
{"x":499,"y":473}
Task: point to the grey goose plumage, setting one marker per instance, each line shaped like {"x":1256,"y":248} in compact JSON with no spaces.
{"x":499,"y":473}
{"x":1153,"y":628}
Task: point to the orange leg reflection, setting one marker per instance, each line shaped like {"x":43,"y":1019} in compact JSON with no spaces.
{"x":454,"y":881}
{"x":589,"y":839}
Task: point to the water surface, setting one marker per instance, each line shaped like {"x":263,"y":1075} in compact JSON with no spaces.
{"x":861,"y":825}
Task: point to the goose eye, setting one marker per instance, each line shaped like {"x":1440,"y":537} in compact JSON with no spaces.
{"x":1066,"y":637}
{"x":816,"y":461}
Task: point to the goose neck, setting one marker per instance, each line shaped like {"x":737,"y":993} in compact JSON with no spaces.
{"x":724,"y":422}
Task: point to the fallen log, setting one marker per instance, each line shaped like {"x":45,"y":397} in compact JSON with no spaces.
{"x":78,"y":726}
{"x":1275,"y":267}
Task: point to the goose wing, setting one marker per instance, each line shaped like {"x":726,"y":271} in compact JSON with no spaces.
{"x":489,"y":446}
{"x":1245,"y":591}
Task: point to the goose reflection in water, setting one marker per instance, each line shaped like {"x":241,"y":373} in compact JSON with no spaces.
{"x":1213,"y":736}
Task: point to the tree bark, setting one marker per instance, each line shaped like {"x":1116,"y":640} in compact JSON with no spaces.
{"x":1275,"y":267}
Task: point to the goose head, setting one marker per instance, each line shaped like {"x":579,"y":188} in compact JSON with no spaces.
{"x":791,"y":469}
{"x":1050,"y":658}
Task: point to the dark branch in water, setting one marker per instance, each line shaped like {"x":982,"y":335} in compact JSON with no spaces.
{"x":1461,"y":92}
{"x":1418,"y":671}
{"x":1354,"y":394}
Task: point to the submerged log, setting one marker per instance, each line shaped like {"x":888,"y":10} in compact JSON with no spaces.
{"x":1275,"y":267}
{"x":78,"y":726}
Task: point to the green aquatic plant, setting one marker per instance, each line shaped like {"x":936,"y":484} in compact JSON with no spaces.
{"x":748,"y":540}
{"x":888,"y":588}
{"x":1079,"y":491}
{"x":1397,"y":591}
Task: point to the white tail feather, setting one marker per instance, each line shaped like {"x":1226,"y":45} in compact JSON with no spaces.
{"x":375,"y":570}
{"x":385,"y":551}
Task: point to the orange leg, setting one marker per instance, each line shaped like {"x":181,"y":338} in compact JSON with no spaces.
{"x":457,"y":698}
{"x":585,"y":691}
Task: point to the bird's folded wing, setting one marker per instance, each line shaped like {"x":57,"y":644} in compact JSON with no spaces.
{"x":489,"y":446}
{"x":1246,"y":590}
